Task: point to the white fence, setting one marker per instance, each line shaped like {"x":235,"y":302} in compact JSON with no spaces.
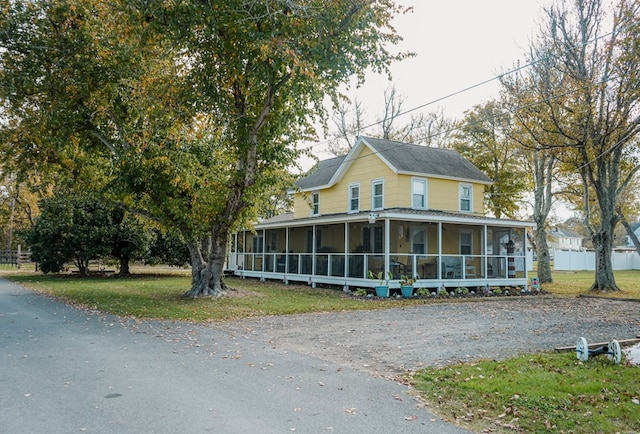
{"x":576,"y":261}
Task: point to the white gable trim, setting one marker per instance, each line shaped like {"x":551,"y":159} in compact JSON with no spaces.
{"x":353,"y":156}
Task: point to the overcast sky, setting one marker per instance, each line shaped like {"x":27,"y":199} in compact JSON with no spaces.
{"x":458,"y":44}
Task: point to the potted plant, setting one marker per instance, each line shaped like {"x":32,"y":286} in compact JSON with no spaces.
{"x":406,"y":286}
{"x":382,"y":290}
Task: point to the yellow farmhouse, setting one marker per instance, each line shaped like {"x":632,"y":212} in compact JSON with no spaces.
{"x":399,"y":208}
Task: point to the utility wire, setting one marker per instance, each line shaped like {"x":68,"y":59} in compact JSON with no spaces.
{"x":466,"y":89}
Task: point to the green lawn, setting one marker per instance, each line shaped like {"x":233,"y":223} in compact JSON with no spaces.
{"x":536,"y":393}
{"x":156,"y":293}
{"x":571,"y":284}
{"x":159,"y":295}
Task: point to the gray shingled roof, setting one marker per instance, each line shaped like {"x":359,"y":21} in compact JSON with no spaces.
{"x":407,"y":157}
{"x":404,"y":157}
{"x":321,"y":174}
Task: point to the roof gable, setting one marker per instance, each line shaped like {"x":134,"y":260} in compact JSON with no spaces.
{"x":402,"y":158}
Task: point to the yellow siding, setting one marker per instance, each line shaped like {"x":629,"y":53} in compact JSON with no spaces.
{"x":301,"y":206}
{"x":402,"y":193}
{"x":365,"y":168}
{"x":478,"y":198}
{"x":334,"y":199}
{"x":443,"y":194}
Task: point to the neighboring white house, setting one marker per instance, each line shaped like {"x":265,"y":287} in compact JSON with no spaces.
{"x":564,"y":239}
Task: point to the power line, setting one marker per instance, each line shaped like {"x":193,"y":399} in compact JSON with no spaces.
{"x":461,"y":91}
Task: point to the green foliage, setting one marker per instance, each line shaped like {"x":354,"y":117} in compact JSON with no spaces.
{"x":423,"y":292}
{"x":380,"y":276}
{"x":69,"y":229}
{"x":360,"y":292}
{"x":581,"y":101}
{"x":485,"y":139}
{"x":536,"y":393}
{"x":189,"y":110}
{"x":407,"y":281}
{"x":168,"y":248}
{"x":462,"y":290}
{"x":80,"y":228}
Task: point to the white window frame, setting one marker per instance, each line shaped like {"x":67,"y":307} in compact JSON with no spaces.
{"x":315,"y":204}
{"x":423,"y":182}
{"x":374,"y":196}
{"x":462,"y":197}
{"x":352,"y":198}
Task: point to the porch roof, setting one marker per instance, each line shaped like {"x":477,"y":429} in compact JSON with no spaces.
{"x":407,"y":214}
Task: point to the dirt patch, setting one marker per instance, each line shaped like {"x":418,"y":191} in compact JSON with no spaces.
{"x":391,"y":341}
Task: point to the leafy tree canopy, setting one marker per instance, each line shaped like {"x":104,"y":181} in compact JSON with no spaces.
{"x":207,"y":99}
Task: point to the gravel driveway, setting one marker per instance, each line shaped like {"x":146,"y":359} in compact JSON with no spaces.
{"x":390,"y":341}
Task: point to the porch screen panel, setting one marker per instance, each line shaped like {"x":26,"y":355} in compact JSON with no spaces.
{"x":330,"y":250}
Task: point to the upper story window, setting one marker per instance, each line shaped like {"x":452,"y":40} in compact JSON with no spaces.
{"x":466,"y":196}
{"x":419,"y":193}
{"x":377,"y":194}
{"x":315,"y":204}
{"x":354,"y":198}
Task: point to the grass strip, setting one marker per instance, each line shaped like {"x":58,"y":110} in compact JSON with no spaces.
{"x":535,"y":393}
{"x":160,"y":296}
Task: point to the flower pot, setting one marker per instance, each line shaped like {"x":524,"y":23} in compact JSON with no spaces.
{"x":382,"y":291}
{"x":407,"y":291}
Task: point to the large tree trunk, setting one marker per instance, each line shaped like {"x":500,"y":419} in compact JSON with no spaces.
{"x":544,"y":260}
{"x":543,"y":164}
{"x":603,"y":242}
{"x":83,"y":266}
{"x":198,"y":267}
{"x":206,"y":276}
{"x":124,"y":266}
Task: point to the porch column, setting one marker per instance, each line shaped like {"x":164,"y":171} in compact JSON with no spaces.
{"x":286,"y":250}
{"x":263,"y":254}
{"x":485,"y":266}
{"x":526,"y":264}
{"x":387,"y":243}
{"x":439,"y":267}
{"x":346,"y":250}
{"x":313,"y":251}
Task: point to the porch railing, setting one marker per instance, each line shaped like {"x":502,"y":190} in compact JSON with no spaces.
{"x":357,"y":265}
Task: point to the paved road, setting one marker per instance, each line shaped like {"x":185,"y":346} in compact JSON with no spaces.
{"x":64,"y":370}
